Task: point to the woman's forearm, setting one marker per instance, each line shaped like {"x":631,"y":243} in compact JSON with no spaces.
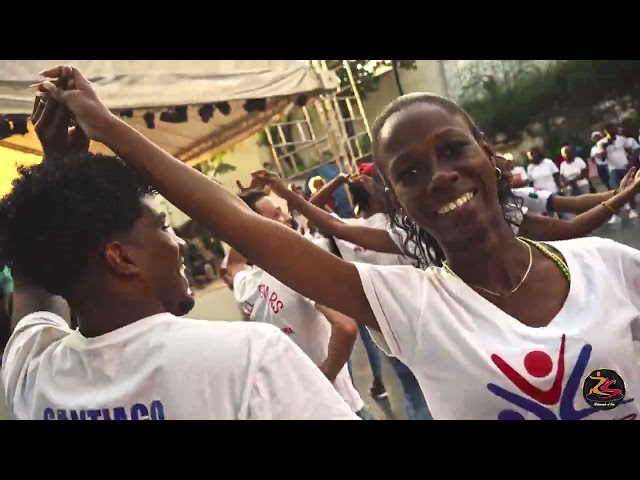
{"x":581,"y":203}
{"x":323,"y":196}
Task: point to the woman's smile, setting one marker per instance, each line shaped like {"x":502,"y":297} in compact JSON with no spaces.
{"x":457,"y":204}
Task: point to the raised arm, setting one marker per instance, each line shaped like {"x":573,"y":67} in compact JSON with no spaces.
{"x":374,"y":239}
{"x":52,"y":124}
{"x":322,"y":196}
{"x":541,"y":228}
{"x":583,"y":203}
{"x":336,"y":283}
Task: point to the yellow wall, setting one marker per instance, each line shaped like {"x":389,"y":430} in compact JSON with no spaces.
{"x":9,"y":159}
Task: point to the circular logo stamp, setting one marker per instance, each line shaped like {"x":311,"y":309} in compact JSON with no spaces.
{"x":604,"y":389}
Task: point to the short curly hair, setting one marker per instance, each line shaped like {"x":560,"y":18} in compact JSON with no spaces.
{"x":61,"y":213}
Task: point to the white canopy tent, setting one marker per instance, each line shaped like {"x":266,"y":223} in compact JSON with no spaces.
{"x":159,"y":85}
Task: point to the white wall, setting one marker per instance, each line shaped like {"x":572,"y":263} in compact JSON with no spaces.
{"x":426,"y":78}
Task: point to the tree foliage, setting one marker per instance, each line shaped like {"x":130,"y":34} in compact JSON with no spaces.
{"x":507,"y":97}
{"x":216,"y":166}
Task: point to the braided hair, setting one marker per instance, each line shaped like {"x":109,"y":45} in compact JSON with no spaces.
{"x":419,"y":244}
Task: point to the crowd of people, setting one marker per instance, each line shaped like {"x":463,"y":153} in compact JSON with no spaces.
{"x":614,"y":152}
{"x":480,"y":297}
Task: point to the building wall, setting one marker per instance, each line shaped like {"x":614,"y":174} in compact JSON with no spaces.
{"x":427,"y":77}
{"x":247,"y":156}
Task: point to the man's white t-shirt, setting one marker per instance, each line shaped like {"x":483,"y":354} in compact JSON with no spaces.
{"x":355,"y":253}
{"x":276,"y":304}
{"x":163,"y":368}
{"x":473,"y":361}
{"x":616,"y":153}
{"x":572,"y":170}
{"x":542,"y":175}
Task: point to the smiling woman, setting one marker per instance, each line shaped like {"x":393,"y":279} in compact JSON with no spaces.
{"x":9,"y":161}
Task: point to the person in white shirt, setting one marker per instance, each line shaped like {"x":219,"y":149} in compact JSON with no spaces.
{"x":543,"y":172}
{"x":371,"y":215}
{"x":574,"y":171}
{"x":601,"y":163}
{"x":508,"y":328}
{"x":82,"y":226}
{"x":327,"y":337}
{"x":320,"y":198}
{"x":616,"y":150}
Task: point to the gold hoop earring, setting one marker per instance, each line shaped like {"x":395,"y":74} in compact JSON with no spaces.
{"x":498,"y":172}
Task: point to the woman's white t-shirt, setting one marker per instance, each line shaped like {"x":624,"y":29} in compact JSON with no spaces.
{"x":572,"y":170}
{"x":542,"y":175}
{"x":274,"y":303}
{"x":472,"y":359}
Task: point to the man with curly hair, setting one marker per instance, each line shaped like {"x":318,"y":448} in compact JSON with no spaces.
{"x":82,"y":227}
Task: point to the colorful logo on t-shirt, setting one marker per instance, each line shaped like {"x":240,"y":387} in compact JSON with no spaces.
{"x":534,"y":195}
{"x":535,"y":400}
{"x":604,"y":389}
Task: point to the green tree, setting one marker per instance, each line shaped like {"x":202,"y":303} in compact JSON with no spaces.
{"x":507,"y":96}
{"x":216,"y":166}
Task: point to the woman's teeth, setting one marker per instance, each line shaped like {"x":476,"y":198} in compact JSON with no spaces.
{"x":449,"y":207}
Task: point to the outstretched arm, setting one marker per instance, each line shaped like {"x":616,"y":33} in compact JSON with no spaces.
{"x":548,"y":229}
{"x":581,"y":203}
{"x":322,"y":196}
{"x":336,"y":283}
{"x":375,"y":239}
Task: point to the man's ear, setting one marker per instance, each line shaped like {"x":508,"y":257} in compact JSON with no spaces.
{"x":120,"y":259}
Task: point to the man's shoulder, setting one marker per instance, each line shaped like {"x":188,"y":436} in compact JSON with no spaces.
{"x":218,"y":338}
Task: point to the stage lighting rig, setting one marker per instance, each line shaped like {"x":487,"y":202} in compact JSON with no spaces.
{"x":150,"y":120}
{"x":19,"y":126}
{"x":206,"y":112}
{"x":5,"y":128}
{"x":224,"y":108}
{"x":255,"y":105}
{"x":178,"y":115}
